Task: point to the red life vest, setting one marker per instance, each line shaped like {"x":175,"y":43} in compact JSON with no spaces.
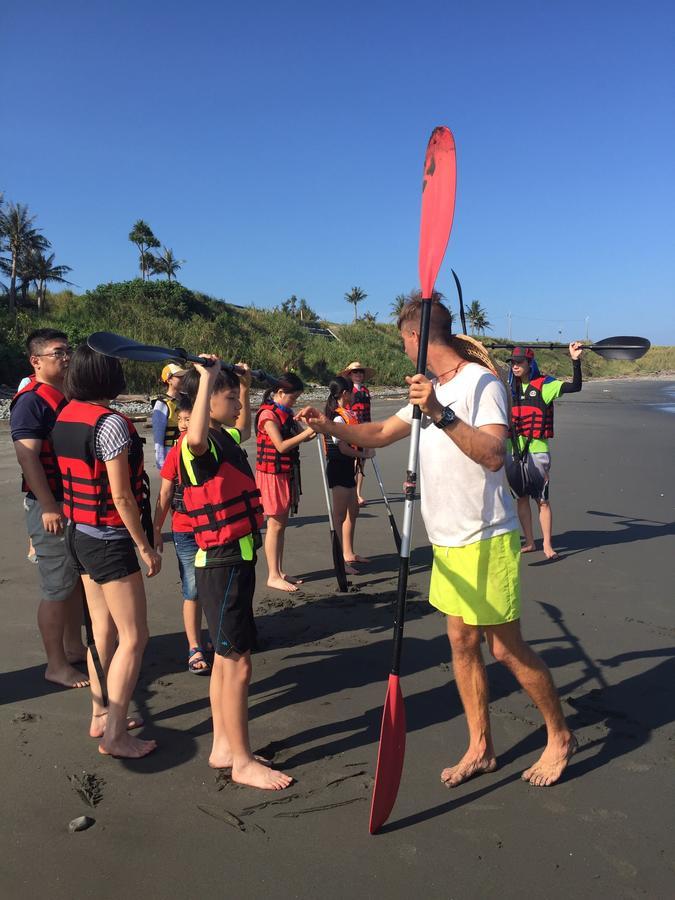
{"x":228,"y":506}
{"x":330,"y":448}
{"x":361,"y":403}
{"x":532,"y":418}
{"x":55,"y":400}
{"x":268,"y":459}
{"x":87,"y":499}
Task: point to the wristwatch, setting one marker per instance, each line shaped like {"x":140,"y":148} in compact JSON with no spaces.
{"x":447,"y":418}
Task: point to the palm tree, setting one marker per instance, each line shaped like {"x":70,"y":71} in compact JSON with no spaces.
{"x":44,"y":270}
{"x":416,"y":294}
{"x":355,"y":296}
{"x":478,"y":320}
{"x":166,"y":263}
{"x":397,"y":306}
{"x":17,"y":233}
{"x":141,"y":235}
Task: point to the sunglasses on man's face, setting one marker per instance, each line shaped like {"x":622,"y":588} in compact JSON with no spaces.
{"x":358,"y":371}
{"x":59,"y":353}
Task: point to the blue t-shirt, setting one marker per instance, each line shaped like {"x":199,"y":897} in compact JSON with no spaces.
{"x":31,"y":418}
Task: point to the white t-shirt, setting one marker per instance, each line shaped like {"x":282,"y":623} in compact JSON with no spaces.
{"x":462,"y":501}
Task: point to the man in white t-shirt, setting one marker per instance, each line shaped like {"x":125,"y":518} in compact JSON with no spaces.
{"x":471,"y":521}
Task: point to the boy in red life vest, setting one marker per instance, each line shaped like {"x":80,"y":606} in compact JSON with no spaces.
{"x":358,"y":374}
{"x":221,"y":496}
{"x":528,"y":462}
{"x":170,"y":497}
{"x":277,"y":471}
{"x":33,"y":413}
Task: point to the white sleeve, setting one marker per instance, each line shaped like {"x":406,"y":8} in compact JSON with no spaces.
{"x":406,"y":413}
{"x":490,"y":406}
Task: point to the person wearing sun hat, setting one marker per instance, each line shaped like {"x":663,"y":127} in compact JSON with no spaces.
{"x":528,"y":460}
{"x":165,"y":412}
{"x":359,"y":374}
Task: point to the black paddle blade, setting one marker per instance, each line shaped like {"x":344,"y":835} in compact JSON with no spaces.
{"x":339,"y":563}
{"x":110,"y":344}
{"x":622,"y":347}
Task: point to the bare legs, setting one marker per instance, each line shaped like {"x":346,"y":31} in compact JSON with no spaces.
{"x":274,"y":553}
{"x":360,"y":499}
{"x":118,"y":610}
{"x":345,"y":514}
{"x":53,"y":617}
{"x":546,"y":522}
{"x":508,"y":647}
{"x":229,"y":706}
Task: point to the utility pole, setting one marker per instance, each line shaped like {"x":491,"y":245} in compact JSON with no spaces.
{"x":508,"y":319}
{"x":588,"y":318}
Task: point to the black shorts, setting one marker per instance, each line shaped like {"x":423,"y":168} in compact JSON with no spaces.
{"x":341,"y":472}
{"x":226,"y":596}
{"x":101,"y":560}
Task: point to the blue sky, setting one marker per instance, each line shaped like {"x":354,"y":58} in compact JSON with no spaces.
{"x":278,"y":149}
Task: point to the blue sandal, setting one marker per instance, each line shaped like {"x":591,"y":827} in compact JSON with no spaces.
{"x":192,"y":662}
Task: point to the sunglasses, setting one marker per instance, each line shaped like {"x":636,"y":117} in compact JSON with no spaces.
{"x":358,"y":371}
{"x":518,"y":361}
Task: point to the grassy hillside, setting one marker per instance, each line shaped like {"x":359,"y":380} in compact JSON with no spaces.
{"x":160,"y":312}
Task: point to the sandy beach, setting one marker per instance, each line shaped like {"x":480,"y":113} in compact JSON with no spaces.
{"x":168,"y":826}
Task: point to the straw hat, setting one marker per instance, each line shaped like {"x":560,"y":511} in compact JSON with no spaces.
{"x":473,"y":351}
{"x":368,"y":372}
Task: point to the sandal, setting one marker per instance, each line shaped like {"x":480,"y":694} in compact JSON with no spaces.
{"x":193,"y":666}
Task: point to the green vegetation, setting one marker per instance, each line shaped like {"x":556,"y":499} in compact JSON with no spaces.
{"x":165,"y":312}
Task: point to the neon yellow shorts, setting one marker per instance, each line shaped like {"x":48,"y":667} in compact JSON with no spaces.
{"x":480,"y":582}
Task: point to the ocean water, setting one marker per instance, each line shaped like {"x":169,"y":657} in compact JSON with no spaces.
{"x":667,"y":403}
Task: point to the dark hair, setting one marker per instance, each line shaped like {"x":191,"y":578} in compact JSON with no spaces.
{"x":288,"y":382}
{"x":338,"y":386}
{"x":440,"y":324}
{"x":37,"y":340}
{"x":93,"y":376}
{"x":225,"y":381}
{"x":184,"y":403}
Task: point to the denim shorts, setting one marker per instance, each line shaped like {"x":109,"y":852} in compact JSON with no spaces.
{"x":186,"y":550}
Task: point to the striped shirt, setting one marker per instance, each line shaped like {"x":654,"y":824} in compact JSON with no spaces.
{"x":110,"y":438}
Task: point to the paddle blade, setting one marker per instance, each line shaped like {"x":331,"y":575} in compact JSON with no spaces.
{"x":339,"y":563}
{"x":438,"y":205}
{"x":390,"y":756}
{"x":110,"y":344}
{"x":622,"y":347}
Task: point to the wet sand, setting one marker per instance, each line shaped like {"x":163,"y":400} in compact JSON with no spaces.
{"x":168,"y":826}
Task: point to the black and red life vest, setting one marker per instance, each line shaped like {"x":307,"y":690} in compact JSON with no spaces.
{"x":87,"y":499}
{"x":228,"y":506}
{"x":171,"y":433}
{"x":532,"y":417}
{"x":55,"y":400}
{"x":330,"y":448}
{"x":268,"y":459}
{"x":361,"y":403}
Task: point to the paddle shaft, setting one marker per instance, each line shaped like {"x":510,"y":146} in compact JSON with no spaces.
{"x":336,"y":542}
{"x":411,"y":487}
{"x":599,"y":349}
{"x":392,"y":520}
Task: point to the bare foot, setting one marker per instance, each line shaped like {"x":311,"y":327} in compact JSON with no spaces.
{"x":528,"y":548}
{"x":67,"y":677}
{"x":280,"y":584}
{"x":291,"y":579}
{"x":350,"y":570}
{"x":127,"y":747}
{"x":469,"y":765}
{"x":254,"y":774}
{"x":550,"y":553}
{"x":552,"y":762}
{"x":78,"y":655}
{"x":225,"y":761}
{"x":98,"y":720}
{"x":356,"y":559}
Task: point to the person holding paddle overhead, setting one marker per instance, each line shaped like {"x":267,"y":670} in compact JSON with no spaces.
{"x":343,"y":455}
{"x":360,"y":406}
{"x":529,"y":462}
{"x":221,"y":497}
{"x":277,"y":471}
{"x":471,"y":522}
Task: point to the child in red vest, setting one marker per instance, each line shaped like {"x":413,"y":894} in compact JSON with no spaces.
{"x":341,"y":470}
{"x":277,"y":474}
{"x":358,"y":374}
{"x":222,"y":499}
{"x":171,"y":498}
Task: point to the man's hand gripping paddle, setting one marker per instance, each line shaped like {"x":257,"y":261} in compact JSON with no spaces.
{"x":438,"y":206}
{"x":110,"y":344}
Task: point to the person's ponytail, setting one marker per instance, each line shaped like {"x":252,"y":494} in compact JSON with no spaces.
{"x":337,"y":386}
